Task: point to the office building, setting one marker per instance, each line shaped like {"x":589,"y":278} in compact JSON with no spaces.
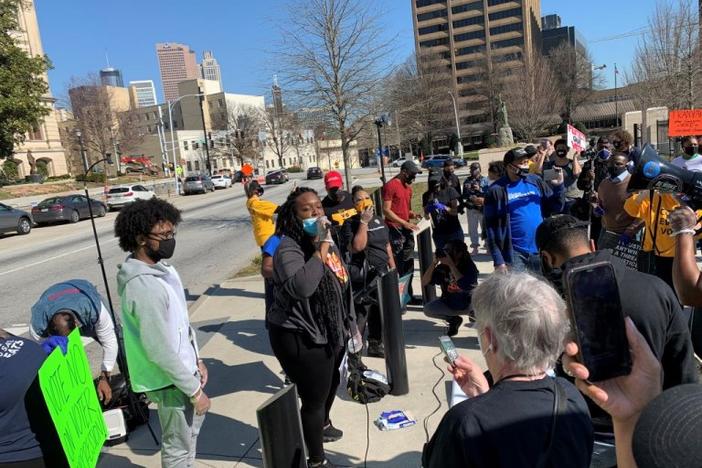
{"x":111,"y":77}
{"x":43,"y":143}
{"x":465,"y":38}
{"x":177,"y":63}
{"x":209,"y":68}
{"x":553,"y":36}
{"x":277,"y":93}
{"x":142,"y":93}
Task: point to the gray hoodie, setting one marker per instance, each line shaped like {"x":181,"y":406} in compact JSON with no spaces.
{"x":160,"y":344}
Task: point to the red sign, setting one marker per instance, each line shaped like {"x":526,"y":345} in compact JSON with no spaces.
{"x":576,"y":139}
{"x":686,"y":122}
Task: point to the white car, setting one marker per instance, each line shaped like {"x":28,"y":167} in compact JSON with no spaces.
{"x":398,"y":162}
{"x":221,"y":181}
{"x":119,"y":196}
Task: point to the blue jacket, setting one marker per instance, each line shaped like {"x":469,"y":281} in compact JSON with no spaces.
{"x":76,"y":295}
{"x":497,"y":214}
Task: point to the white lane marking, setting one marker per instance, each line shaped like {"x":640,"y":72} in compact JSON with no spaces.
{"x":65,"y":254}
{"x":221,"y":226}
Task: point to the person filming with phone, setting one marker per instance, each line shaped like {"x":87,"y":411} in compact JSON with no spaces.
{"x":520,"y":417}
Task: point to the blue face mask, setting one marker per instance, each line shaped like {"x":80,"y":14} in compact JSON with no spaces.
{"x":604,"y":154}
{"x":309,"y":225}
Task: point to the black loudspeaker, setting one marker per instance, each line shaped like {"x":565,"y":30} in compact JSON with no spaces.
{"x":280,"y":431}
{"x":652,"y":173}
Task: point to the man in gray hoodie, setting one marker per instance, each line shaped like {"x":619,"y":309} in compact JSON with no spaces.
{"x":161,"y":349}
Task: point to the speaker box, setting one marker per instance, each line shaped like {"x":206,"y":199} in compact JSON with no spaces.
{"x":116,"y":427}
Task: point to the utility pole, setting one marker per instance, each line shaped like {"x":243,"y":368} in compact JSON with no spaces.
{"x":204,"y":131}
{"x":616,"y":98}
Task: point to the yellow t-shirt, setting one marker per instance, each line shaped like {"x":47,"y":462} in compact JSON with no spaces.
{"x":639,"y":206}
{"x":261,"y":218}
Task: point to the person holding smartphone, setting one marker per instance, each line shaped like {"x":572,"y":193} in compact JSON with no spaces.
{"x":571,"y":171}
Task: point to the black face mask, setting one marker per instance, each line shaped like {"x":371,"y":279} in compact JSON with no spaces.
{"x":553,"y":276}
{"x":521,"y":171}
{"x":691,"y":150}
{"x":409,"y":178}
{"x":333,"y":193}
{"x":165,"y":250}
{"x":615,"y":171}
{"x":562,"y":153}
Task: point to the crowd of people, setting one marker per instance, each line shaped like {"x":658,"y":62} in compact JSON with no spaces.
{"x":540,"y":212}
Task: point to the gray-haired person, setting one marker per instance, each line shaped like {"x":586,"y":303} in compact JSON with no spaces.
{"x":517,"y":415}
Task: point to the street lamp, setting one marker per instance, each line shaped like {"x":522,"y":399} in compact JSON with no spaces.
{"x":173,"y":147}
{"x":381,"y":121}
{"x":458,"y":127}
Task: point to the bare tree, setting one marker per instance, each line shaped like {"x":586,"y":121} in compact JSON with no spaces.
{"x":333,"y":58}
{"x":668,"y":62}
{"x":241,"y":124}
{"x":278,"y":132}
{"x":532,"y":96}
{"x":574,"y":76}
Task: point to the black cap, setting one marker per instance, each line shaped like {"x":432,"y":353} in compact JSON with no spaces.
{"x":254,"y":187}
{"x":448,"y":162}
{"x":554,"y":225}
{"x":410,"y":167}
{"x":530,"y":150}
{"x":514,"y":155}
{"x":474,"y":165}
{"x":668,"y":431}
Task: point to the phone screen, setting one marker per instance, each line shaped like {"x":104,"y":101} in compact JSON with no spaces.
{"x":550,"y":174}
{"x":598,"y":319}
{"x":448,"y":348}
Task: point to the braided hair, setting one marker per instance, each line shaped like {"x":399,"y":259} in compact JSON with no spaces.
{"x":326,"y":304}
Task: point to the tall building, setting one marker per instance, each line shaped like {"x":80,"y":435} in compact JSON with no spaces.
{"x":464,"y":38}
{"x":42,"y":146}
{"x":553,"y":36}
{"x":111,"y":77}
{"x":277,"y":97}
{"x":142,"y":93}
{"x":209,"y":68}
{"x":177,"y":63}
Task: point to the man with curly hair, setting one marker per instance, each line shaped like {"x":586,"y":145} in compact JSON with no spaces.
{"x":161,"y":348}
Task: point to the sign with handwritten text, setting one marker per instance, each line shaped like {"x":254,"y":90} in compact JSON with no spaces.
{"x":576,"y":139}
{"x":686,"y":122}
{"x":67,"y":386}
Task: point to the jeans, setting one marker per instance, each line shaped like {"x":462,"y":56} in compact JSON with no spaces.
{"x":524,"y":262}
{"x":180,"y":427}
{"x":475,"y":218}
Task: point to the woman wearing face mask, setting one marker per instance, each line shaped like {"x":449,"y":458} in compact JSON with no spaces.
{"x":371,"y":256}
{"x":571,"y":171}
{"x":312,"y":315}
{"x":160,"y":345}
{"x":617,"y":224}
{"x":690,"y":159}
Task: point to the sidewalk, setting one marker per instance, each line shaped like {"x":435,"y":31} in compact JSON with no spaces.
{"x":243,"y":374}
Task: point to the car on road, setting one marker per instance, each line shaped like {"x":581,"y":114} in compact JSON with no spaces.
{"x":277,"y":177}
{"x":435,"y":161}
{"x":119,"y":196}
{"x":71,"y":208}
{"x":459,"y":162}
{"x":198,"y":184}
{"x":314,"y":173}
{"x":221,"y":181}
{"x":14,"y":220}
{"x":237,"y":177}
{"x":398,"y":162}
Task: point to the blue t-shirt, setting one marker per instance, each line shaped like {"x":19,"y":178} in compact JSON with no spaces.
{"x":524,"y":206}
{"x":270,"y":246}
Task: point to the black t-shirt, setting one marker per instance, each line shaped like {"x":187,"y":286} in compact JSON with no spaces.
{"x":509,"y":426}
{"x":342,"y":231}
{"x":456,"y":293}
{"x":376,"y":248}
{"x":444,"y":223}
{"x":452,"y":181}
{"x":20,"y":400}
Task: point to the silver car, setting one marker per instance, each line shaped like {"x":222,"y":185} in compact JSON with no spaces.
{"x":198,"y":184}
{"x":14,"y":220}
{"x":71,"y":208}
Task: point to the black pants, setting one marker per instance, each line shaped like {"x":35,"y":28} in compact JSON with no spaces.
{"x":369,"y":314}
{"x":315,"y":371}
{"x":402,"y":244}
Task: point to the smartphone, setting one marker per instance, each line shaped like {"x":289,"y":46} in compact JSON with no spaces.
{"x":448,"y":348}
{"x":598,"y":320}
{"x":551,"y":174}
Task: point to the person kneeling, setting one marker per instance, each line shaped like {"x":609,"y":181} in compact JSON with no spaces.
{"x":525,"y":418}
{"x":454,"y":271}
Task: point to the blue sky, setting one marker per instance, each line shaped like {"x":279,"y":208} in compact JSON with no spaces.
{"x":77,"y":33}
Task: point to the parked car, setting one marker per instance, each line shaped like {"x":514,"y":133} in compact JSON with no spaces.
{"x":221,"y":181}
{"x":117,"y":197}
{"x":314,"y":173}
{"x":237,"y":177}
{"x":198,"y":184}
{"x":398,"y":162}
{"x":435,"y":161}
{"x":14,"y":220}
{"x":459,"y":162}
{"x":70,"y":208}
{"x":277,"y":177}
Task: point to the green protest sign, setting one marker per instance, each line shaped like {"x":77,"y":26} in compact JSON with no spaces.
{"x":68,"y":389}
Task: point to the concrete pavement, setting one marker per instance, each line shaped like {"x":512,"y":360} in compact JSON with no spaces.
{"x":244,"y":374}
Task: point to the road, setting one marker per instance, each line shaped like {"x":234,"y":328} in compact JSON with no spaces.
{"x":214,"y":241}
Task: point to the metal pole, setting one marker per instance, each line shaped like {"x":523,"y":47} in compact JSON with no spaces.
{"x":204,"y":131}
{"x":458,"y":127}
{"x":616,"y":99}
{"x":426,"y":256}
{"x":393,"y":334}
{"x":380,"y":150}
{"x":173,"y":147}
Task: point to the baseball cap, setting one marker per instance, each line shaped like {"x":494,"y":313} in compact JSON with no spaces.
{"x":513,"y":155}
{"x":410,"y":167}
{"x":333,"y":179}
{"x":448,"y":162}
{"x":530,"y":150}
{"x":669,"y":428}
{"x":475,"y":165}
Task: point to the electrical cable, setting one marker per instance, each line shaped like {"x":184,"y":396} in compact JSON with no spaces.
{"x":433,"y":390}
{"x":365,"y":457}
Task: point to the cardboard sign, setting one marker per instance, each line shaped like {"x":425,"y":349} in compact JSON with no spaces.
{"x":67,"y":386}
{"x":685,"y":123}
{"x":628,"y":253}
{"x":576,"y":139}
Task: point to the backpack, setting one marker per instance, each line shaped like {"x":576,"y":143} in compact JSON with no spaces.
{"x":364,"y":385}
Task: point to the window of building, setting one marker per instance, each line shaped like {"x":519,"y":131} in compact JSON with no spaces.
{"x":498,"y":2}
{"x":433,"y":29}
{"x":507,"y":57}
{"x":464,"y":65}
{"x":468,"y":36}
{"x":214,"y":163}
{"x":190,"y":167}
{"x":468,"y":79}
{"x":467,"y":7}
{"x":470,"y":50}
{"x":423,"y":3}
{"x":148,"y":128}
{"x":267,"y":166}
{"x":475,"y":119}
{"x":434,"y":42}
{"x":36,"y":134}
{"x":506,"y":28}
{"x":196,"y":145}
{"x":517,"y":41}
{"x":197,"y":165}
{"x":433,"y":14}
{"x":514,"y":12}
{"x":469,"y":21}
{"x":185,"y":145}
